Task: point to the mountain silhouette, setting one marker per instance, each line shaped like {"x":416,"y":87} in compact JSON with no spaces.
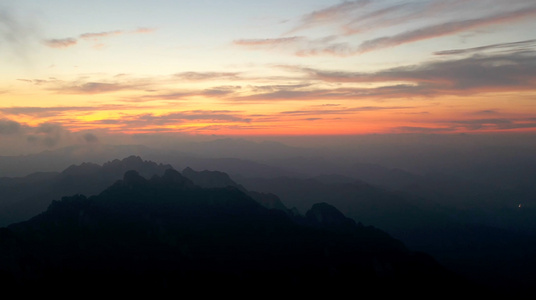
{"x":215,"y":179}
{"x":167,"y":233}
{"x":27,"y":196}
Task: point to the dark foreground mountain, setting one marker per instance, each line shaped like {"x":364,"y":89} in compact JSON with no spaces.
{"x":167,"y":233}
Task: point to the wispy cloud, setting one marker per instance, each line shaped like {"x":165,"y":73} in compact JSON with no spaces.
{"x":494,"y":124}
{"x":346,"y":93}
{"x":60,"y":43}
{"x":486,"y":112}
{"x":381,"y":17}
{"x":56,"y":110}
{"x":94,"y":88}
{"x":15,"y":33}
{"x":476,"y":125}
{"x":89,"y":86}
{"x":195,"y":76}
{"x":154,"y":121}
{"x":144,"y":30}
{"x":270,"y":43}
{"x":439,"y":30}
{"x":183,"y":95}
{"x":484,"y":73}
{"x":96,"y":35}
{"x":341,"y":110}
{"x":330,"y":14}
{"x":435,"y":19}
{"x":93,"y":36}
{"x":520,"y":45}
{"x":422,"y":129}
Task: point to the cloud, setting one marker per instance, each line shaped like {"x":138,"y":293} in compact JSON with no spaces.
{"x":40,"y":81}
{"x":486,"y":112}
{"x":94,"y":88}
{"x":330,"y":14}
{"x":346,"y":93}
{"x":153,"y":122}
{"x":60,"y":43}
{"x":9,"y":127}
{"x":417,"y":129}
{"x":55,"y":110}
{"x":482,"y":73}
{"x":93,"y":36}
{"x":195,"y":76}
{"x":220,"y":91}
{"x":15,"y":34}
{"x":439,"y":30}
{"x":494,"y":124}
{"x":517,"y":45}
{"x":98,"y":85}
{"x":48,"y":134}
{"x":90,"y":138}
{"x":177,"y":95}
{"x":196,"y":115}
{"x":269,"y":43}
{"x":217,"y":91}
{"x":300,"y":45}
{"x":381,"y":17}
{"x":477,"y":125}
{"x":144,"y":30}
{"x":96,"y":35}
{"x":342,"y":110}
{"x":411,"y":36}
{"x":427,"y":20}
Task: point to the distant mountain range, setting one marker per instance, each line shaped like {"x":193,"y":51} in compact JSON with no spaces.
{"x":167,"y":233}
{"x":412,"y":208}
{"x":27,"y":196}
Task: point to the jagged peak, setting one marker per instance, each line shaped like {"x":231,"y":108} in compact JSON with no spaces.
{"x":188,"y":170}
{"x":209,"y":179}
{"x":83,"y":167}
{"x":173,"y":176}
{"x":132,"y":177}
{"x":132,"y":159}
{"x":327,"y":214}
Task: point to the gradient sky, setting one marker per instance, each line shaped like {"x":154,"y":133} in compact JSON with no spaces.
{"x":88,"y":69}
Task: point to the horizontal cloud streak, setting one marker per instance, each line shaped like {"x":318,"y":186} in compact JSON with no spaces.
{"x":153,"y":121}
{"x":56,"y":110}
{"x":60,"y":43}
{"x":257,"y":43}
{"x":515,"y":45}
{"x":330,"y":14}
{"x":512,"y":72}
{"x":194,"y":76}
{"x":91,"y":35}
{"x":95,"y":88}
{"x":72,"y":41}
{"x":342,"y":110}
{"x":476,"y":125}
{"x":357,"y":17}
{"x":443,"y":29}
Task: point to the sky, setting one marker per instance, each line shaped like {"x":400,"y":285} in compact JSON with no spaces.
{"x":86,"y":71}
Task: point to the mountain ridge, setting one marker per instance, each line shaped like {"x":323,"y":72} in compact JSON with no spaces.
{"x":166,"y":229}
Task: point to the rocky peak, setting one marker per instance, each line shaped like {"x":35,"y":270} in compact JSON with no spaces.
{"x":327,"y":215}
